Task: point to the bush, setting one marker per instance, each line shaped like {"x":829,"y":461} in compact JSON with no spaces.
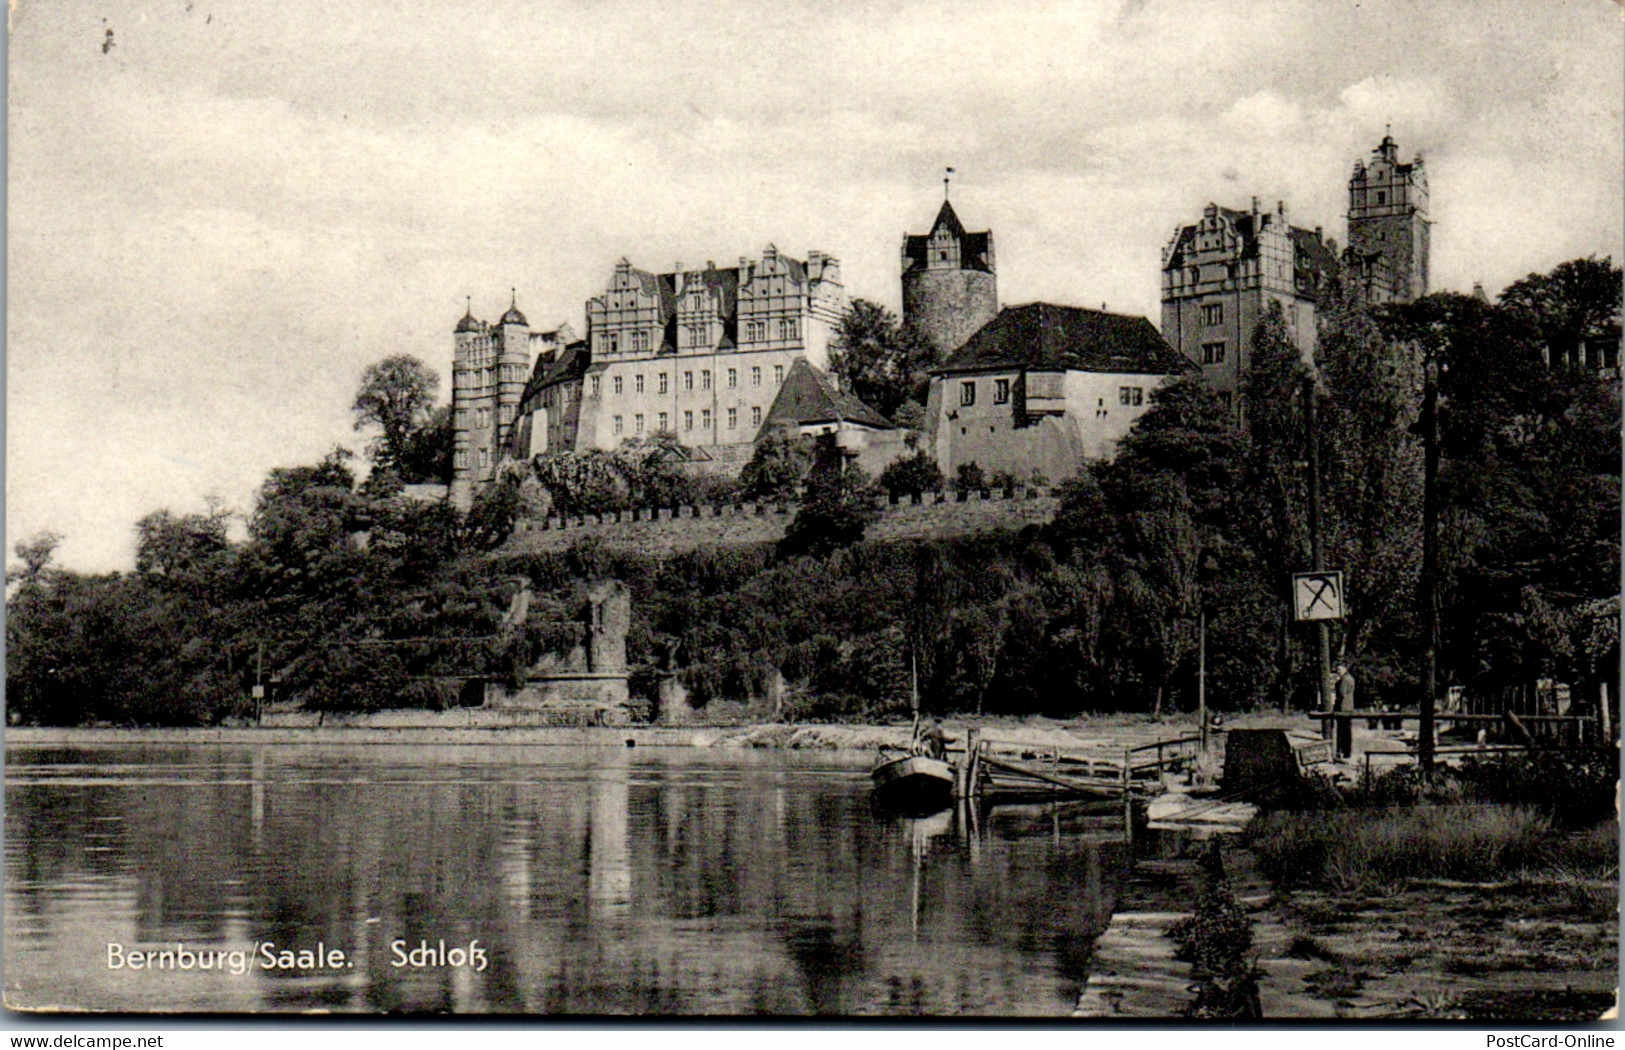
{"x":911,"y":476}
{"x":1366,"y":849}
{"x":969,"y":478}
{"x":1215,"y":940}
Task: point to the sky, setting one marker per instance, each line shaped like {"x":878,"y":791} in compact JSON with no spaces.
{"x":220,"y":212}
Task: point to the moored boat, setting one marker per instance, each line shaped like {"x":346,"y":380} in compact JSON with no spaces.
{"x":913,"y":782}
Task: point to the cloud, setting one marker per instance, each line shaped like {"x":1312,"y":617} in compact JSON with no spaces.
{"x":215,"y":226}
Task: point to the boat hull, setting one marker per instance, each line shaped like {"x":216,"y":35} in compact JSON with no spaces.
{"x":914,"y":782}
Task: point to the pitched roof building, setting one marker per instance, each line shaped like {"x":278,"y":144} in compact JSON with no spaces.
{"x":1042,"y":387}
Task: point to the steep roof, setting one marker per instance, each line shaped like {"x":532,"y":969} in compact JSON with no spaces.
{"x":1043,"y":335}
{"x":973,"y":247}
{"x":809,"y":396}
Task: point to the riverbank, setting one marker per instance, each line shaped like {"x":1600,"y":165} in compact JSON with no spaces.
{"x":1106,"y":734}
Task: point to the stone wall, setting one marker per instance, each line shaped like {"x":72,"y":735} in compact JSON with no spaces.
{"x":671,"y":530}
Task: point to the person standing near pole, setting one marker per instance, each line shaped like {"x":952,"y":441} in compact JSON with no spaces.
{"x":1345,"y":703}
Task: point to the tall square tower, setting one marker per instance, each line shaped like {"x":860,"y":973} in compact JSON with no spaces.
{"x":1388,"y":219}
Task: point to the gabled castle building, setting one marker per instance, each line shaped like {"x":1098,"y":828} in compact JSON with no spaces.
{"x":693,"y":356}
{"x":1220,"y":274}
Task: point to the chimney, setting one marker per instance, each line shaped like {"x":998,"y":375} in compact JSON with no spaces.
{"x":1280,"y":206}
{"x":1255,"y":205}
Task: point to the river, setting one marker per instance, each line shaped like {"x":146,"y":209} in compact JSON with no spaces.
{"x":595,"y":880}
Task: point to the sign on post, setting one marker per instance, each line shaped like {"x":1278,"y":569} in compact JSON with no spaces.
{"x":1317,"y":595}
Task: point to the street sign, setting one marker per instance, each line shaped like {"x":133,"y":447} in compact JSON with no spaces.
{"x":1317,"y":595}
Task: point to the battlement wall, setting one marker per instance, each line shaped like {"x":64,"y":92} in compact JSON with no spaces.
{"x":675,"y":529}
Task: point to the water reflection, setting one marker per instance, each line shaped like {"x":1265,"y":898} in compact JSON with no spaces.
{"x":597,"y":880}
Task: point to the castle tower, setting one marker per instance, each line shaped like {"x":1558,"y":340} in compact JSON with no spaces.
{"x":465,"y":382}
{"x":1388,"y":219}
{"x":950,"y":287}
{"x":513,"y":369}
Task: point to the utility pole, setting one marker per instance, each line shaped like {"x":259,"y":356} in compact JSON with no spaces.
{"x":1323,"y":635}
{"x":1430,"y":560}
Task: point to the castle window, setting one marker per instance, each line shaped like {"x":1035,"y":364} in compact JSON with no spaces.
{"x":705,"y":419}
{"x":619,"y":424}
{"x":755,"y":331}
{"x":1382,"y":198}
{"x":733,"y":378}
{"x":1001,"y":391}
{"x":733,"y":418}
{"x":1213,"y":313}
{"x":485,"y":457}
{"x":1125,"y":395}
{"x":596,"y":381}
{"x":637,"y":383}
{"x":788,"y":328}
{"x":612,"y":342}
{"x":618,"y":390}
{"x":637,"y":423}
{"x":662,"y":428}
{"x":688,"y":420}
{"x":756,"y":416}
{"x":967,"y":392}
{"x":705,"y":379}
{"x":755,"y":377}
{"x":462,"y":459}
{"x":688,"y":380}
{"x":778,"y":375}
{"x":1212,"y":353}
{"x":662,"y":382}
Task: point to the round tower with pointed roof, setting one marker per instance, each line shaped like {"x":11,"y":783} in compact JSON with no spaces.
{"x":950,"y":286}
{"x":467,"y":381}
{"x":513,"y":368}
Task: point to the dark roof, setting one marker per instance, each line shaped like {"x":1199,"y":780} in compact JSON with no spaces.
{"x":973,"y":247}
{"x":468,"y":324}
{"x":569,"y":366}
{"x":1320,"y":257}
{"x":1043,"y":335}
{"x":809,"y":396}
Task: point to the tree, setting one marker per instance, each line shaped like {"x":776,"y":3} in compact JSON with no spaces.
{"x":174,"y":546}
{"x":36,"y":553}
{"x":1577,"y":302}
{"x":911,"y":475}
{"x":426,"y":454}
{"x":396,"y":396}
{"x":777,"y":465}
{"x":835,"y":506}
{"x":878,"y":359}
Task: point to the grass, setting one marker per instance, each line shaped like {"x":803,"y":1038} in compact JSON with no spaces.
{"x":1376,"y":849}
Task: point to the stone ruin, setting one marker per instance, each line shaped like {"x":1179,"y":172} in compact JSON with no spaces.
{"x":585,"y":686}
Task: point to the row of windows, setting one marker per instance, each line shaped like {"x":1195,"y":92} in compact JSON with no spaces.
{"x":663,"y":420}
{"x":1131,"y":395}
{"x":481,"y":417}
{"x":460,"y":460}
{"x":662,"y":385}
{"x":641,"y":339}
{"x":1213,"y":353}
{"x":1213,"y":313}
{"x":1001,"y":392}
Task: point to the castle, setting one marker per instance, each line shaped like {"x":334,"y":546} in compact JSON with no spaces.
{"x":695,"y":355}
{"x":699,"y":358}
{"x":1221,"y":274}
